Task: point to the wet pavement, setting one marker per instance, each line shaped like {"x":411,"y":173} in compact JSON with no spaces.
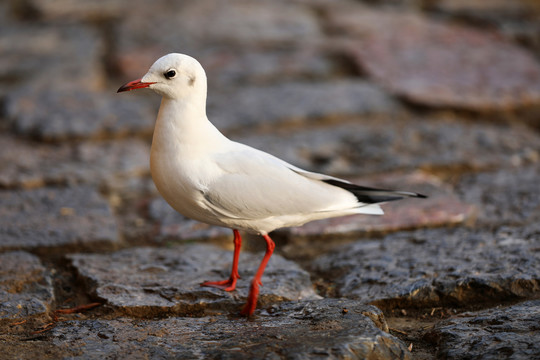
{"x":440,"y":97}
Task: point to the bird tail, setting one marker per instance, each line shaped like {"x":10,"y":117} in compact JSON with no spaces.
{"x":369,"y":195}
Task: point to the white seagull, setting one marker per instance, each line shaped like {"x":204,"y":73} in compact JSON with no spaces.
{"x":207,"y":177}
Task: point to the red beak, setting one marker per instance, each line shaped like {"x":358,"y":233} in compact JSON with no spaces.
{"x":135,"y":84}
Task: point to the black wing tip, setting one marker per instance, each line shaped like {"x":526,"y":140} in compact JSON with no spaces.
{"x":373,"y":195}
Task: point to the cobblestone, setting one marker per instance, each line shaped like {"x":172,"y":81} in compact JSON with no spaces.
{"x":25,"y":287}
{"x":479,"y":334}
{"x":438,"y":64}
{"x":54,"y":218}
{"x":430,"y":268}
{"x":313,"y":329}
{"x":144,"y":281}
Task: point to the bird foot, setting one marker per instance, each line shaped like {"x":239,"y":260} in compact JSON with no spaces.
{"x":226,"y":285}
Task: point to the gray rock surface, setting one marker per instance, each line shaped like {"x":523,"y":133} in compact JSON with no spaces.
{"x":67,"y":11}
{"x":30,"y":164}
{"x":499,"y":333}
{"x":377,"y":144}
{"x":509,"y":197}
{"x":166,"y":281}
{"x":59,"y":115}
{"x":298,"y":103}
{"x":226,"y":66}
{"x":229,"y":22}
{"x":430,"y":268}
{"x":315,"y":329}
{"x":26,"y":288}
{"x":55,"y":218}
{"x":248,"y":23}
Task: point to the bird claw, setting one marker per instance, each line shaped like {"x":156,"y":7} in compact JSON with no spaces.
{"x":226,"y":285}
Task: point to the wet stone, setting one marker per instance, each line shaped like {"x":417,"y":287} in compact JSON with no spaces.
{"x":510,"y":196}
{"x":438,"y":64}
{"x":147,"y":282}
{"x":442,"y":208}
{"x":313,"y":329}
{"x":29,"y":164}
{"x":174,"y":226}
{"x":25,"y":287}
{"x":59,"y":115}
{"x":498,"y":333}
{"x":377,"y":144}
{"x":298,"y":102}
{"x":437,"y":267}
{"x":57,"y":218}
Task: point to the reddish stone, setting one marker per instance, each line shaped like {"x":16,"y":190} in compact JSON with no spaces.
{"x":438,"y":64}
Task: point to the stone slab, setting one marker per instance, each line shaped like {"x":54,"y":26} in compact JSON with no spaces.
{"x":31,"y":164}
{"x":68,"y":11}
{"x":367,"y":145}
{"x":50,"y":115}
{"x":228,"y":67}
{"x":336,"y":329}
{"x":437,"y":267}
{"x":26,"y":288}
{"x":507,"y":196}
{"x":438,"y":64}
{"x":56,"y":218}
{"x":147,"y":282}
{"x":498,"y":333}
{"x":297,"y":102}
{"x":200,"y":25}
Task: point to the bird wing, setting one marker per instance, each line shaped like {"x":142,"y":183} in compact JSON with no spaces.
{"x":253,"y":184}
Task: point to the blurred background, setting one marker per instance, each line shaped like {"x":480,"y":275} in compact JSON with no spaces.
{"x":351,"y":88}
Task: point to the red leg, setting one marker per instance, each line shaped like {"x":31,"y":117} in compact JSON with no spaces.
{"x":230,"y":283}
{"x":251,"y":303}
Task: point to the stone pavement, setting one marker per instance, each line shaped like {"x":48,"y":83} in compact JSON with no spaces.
{"x":440,"y":97}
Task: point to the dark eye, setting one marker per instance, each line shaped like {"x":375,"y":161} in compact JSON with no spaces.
{"x":169,"y":74}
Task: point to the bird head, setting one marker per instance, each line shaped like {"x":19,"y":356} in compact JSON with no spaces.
{"x":173,"y":76}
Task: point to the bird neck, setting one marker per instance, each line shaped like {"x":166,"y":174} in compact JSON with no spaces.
{"x":183,"y":123}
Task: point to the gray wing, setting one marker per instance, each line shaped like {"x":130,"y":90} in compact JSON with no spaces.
{"x":256,"y":185}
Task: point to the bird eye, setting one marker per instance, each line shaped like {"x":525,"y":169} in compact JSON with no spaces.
{"x":169,"y":74}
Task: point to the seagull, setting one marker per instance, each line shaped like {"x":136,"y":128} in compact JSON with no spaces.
{"x":207,"y":177}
